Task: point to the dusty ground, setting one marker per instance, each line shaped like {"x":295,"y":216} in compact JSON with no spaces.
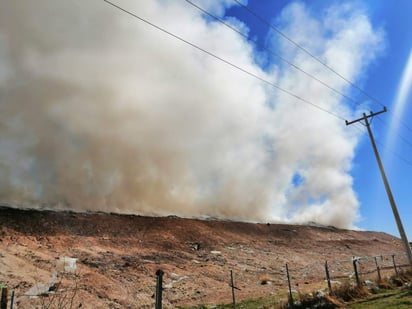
{"x":118,"y":255}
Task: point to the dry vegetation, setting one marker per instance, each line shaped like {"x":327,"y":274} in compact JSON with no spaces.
{"x":118,"y":255}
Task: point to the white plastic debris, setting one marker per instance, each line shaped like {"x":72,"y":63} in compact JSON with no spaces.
{"x":66,"y":264}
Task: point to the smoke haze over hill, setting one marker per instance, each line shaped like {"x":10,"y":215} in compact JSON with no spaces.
{"x":100,"y":111}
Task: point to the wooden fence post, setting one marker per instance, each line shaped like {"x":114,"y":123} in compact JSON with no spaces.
{"x":3,"y":303}
{"x":232,"y":285}
{"x":159,"y":289}
{"x":355,"y":268}
{"x":12,"y":300}
{"x":394,"y":265}
{"x":328,"y":277}
{"x":290,"y":288}
{"x":378,"y":269}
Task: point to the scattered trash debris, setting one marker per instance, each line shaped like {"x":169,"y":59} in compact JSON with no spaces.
{"x":66,"y":264}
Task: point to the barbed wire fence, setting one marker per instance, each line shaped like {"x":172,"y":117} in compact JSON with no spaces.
{"x":162,"y":293}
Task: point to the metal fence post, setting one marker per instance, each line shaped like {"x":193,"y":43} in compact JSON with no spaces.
{"x":159,"y":289}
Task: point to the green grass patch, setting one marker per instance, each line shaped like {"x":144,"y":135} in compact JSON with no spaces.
{"x":398,"y":298}
{"x":387,"y":293}
{"x":253,"y":303}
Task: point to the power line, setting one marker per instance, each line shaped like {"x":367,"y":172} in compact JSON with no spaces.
{"x":297,"y":45}
{"x":388,"y":189}
{"x":386,"y":148}
{"x":402,"y":138}
{"x":406,"y":161}
{"x":242,"y":70}
{"x":282,"y":34}
{"x":274,"y":53}
{"x":225,"y":61}
{"x":402,"y":122}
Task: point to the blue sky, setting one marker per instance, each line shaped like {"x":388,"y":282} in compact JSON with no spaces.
{"x":384,"y":80}
{"x":381,"y":80}
{"x":205,"y":122}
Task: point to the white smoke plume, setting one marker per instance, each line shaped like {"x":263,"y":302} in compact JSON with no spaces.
{"x":99,"y":111}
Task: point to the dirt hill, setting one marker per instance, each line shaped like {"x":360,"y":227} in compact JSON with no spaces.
{"x":118,"y":255}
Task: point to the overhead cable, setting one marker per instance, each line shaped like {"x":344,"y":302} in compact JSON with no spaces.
{"x":286,"y":37}
{"x":402,"y":138}
{"x":243,"y":70}
{"x":361,"y":128}
{"x":395,"y":153}
{"x":225,"y":61}
{"x":297,"y":45}
{"x":274,"y":53}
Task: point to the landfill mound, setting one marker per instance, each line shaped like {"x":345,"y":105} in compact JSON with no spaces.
{"x":101,"y":260}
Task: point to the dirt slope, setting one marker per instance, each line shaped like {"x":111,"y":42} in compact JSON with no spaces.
{"x":118,"y":255}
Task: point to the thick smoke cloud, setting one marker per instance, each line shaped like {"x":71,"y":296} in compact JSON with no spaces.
{"x":99,"y":111}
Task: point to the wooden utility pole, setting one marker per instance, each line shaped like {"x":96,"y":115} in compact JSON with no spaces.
{"x":386,"y":182}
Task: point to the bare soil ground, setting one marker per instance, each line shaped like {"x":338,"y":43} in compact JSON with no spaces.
{"x":118,"y":255}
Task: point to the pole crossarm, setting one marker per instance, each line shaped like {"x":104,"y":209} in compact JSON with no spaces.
{"x":386,"y":182}
{"x":366,"y":116}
